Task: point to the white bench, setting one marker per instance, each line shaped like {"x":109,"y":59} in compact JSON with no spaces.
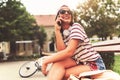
{"x":107,"y":46}
{"x":104,"y":46}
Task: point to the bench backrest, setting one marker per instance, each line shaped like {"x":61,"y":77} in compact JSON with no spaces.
{"x":107,"y":46}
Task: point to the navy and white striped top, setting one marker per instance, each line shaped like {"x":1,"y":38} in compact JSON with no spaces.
{"x":84,"y":51}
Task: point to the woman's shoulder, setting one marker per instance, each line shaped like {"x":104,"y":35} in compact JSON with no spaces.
{"x":77,"y":25}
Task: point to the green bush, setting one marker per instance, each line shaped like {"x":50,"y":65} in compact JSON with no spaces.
{"x":116,"y":67}
{"x":108,"y":58}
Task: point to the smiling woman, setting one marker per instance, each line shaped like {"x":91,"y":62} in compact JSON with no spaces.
{"x":48,"y":7}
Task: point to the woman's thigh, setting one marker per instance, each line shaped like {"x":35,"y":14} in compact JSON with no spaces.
{"x":76,"y":70}
{"x":66,"y":63}
{"x":59,"y":68}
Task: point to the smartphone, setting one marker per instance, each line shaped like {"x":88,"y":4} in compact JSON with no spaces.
{"x":59,"y":23}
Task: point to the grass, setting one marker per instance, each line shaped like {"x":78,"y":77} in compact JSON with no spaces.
{"x":116,"y":67}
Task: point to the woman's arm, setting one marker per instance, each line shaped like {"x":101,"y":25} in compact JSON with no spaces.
{"x":59,"y":40}
{"x":61,"y":55}
{"x":66,"y":53}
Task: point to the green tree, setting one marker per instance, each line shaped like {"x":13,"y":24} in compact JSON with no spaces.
{"x":99,"y":17}
{"x":118,"y":14}
{"x":41,"y":36}
{"x":16,"y":23}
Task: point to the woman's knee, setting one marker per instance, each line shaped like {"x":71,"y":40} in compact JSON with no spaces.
{"x":57,"y":65}
{"x":56,"y":69}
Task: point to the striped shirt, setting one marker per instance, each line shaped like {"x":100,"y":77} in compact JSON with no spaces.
{"x":84,"y":51}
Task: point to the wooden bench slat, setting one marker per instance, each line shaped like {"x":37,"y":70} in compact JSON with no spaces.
{"x":112,"y":48}
{"x":108,"y":42}
{"x":46,"y":54}
{"x":107,"y":46}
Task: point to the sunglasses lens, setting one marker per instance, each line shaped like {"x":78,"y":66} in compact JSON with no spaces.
{"x":64,"y":11}
{"x":69,"y":12}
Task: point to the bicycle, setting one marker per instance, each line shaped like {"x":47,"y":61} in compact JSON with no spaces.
{"x":31,"y":67}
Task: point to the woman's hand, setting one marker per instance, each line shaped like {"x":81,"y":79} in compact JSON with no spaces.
{"x":44,"y":66}
{"x":58,"y":27}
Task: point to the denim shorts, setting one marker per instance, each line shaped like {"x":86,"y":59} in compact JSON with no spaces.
{"x":95,"y":65}
{"x":100,"y":64}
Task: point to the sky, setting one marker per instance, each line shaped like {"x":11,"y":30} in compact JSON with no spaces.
{"x":39,"y":7}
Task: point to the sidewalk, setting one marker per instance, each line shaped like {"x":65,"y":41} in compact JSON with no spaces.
{"x":10,"y":71}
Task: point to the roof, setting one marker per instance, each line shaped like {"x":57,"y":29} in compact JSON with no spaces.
{"x":45,"y":20}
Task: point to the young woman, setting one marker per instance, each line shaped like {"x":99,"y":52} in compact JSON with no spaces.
{"x":75,"y":53}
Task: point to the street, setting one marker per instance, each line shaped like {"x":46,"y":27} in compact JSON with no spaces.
{"x":10,"y":71}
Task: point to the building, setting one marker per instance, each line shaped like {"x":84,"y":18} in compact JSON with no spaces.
{"x":47,"y":21}
{"x":25,"y":48}
{"x":4,"y":50}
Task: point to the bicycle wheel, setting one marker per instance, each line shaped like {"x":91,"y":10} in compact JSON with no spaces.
{"x":28,"y":69}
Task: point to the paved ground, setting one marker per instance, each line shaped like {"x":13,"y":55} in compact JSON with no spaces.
{"x":9,"y":71}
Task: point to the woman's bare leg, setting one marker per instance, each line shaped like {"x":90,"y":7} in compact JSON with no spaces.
{"x":58,"y":71}
{"x":76,"y":70}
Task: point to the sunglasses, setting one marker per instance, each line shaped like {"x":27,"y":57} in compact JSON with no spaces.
{"x":64,"y":11}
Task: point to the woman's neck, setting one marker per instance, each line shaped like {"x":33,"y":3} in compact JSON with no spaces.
{"x":66,"y":26}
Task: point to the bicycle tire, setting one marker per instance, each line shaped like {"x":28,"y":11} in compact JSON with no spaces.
{"x":28,"y":69}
